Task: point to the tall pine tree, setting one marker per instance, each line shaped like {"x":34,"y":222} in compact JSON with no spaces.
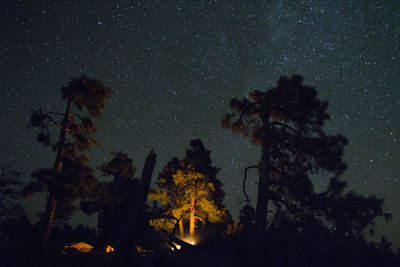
{"x":287,"y":122}
{"x":70,"y":178}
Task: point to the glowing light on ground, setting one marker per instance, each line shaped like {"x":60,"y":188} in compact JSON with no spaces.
{"x":83,"y":247}
{"x":189,"y":239}
{"x":109,"y":249}
{"x":178,"y":247}
{"x":79,"y":246}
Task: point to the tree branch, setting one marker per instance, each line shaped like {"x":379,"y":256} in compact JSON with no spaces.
{"x":246,"y":110}
{"x":200,"y":219}
{"x":49,"y":118}
{"x":288,"y":147}
{"x":244,"y":182}
{"x":276,"y":123}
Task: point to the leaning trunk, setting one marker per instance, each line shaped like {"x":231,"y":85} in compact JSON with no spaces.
{"x":52,"y":201}
{"x":192,"y":216}
{"x":52,"y":210}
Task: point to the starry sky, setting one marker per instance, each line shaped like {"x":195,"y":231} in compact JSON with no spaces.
{"x":174,"y":65}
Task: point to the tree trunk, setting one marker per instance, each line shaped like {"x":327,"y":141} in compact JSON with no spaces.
{"x":145,"y":179}
{"x":52,"y":201}
{"x":136,"y":215}
{"x":192,"y":216}
{"x":181,"y":231}
{"x":262,"y":197}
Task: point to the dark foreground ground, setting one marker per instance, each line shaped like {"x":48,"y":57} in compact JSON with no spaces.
{"x":239,"y":252}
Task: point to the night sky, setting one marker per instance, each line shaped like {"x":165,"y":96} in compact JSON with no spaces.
{"x":174,"y":65}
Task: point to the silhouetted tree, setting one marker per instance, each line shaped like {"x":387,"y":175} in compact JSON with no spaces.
{"x":121,"y":204}
{"x":189,"y":191}
{"x":70,"y":178}
{"x":10,"y":183}
{"x":345,"y":214}
{"x":287,"y":121}
{"x":349,"y":214}
{"x":247,"y":217}
{"x":136,"y":229}
{"x":112,"y":199}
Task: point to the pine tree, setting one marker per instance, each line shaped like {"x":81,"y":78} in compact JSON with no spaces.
{"x":189,"y":191}
{"x":287,"y":122}
{"x":70,"y":178}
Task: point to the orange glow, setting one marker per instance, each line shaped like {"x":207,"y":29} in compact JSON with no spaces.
{"x":109,"y":249}
{"x":189,"y":239}
{"x":83,"y":247}
{"x":80,"y":246}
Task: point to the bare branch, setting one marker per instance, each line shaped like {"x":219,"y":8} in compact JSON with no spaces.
{"x":244,"y":181}
{"x":49,"y":118}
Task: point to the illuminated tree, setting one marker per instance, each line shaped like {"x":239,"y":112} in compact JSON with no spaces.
{"x":69,"y":179}
{"x":187,"y":194}
{"x":287,"y":122}
{"x":200,"y":158}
